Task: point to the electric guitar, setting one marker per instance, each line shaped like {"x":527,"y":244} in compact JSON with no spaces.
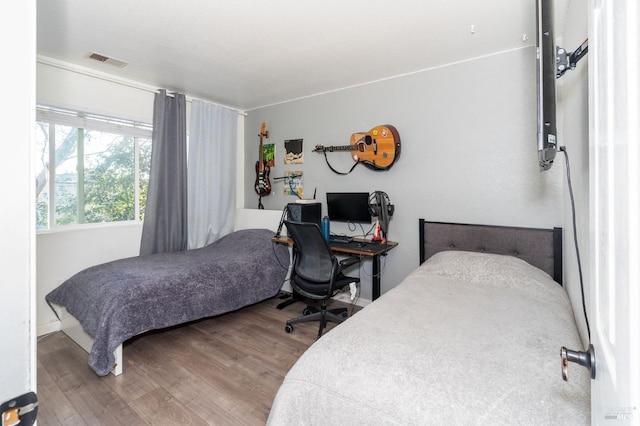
{"x":262,"y":186}
{"x":378,"y":149}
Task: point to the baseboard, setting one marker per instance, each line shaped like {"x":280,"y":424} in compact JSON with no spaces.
{"x":346,"y":298}
{"x":52,"y":327}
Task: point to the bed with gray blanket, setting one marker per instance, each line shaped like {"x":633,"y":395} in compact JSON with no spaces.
{"x":121,"y":299}
{"x":469,"y":337}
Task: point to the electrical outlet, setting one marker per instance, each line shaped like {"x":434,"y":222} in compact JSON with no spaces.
{"x":353,"y":289}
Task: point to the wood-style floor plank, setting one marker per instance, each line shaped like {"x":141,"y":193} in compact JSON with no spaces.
{"x":223,"y":370}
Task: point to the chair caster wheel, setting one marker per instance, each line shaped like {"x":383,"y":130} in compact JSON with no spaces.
{"x":344,"y":315}
{"x":288,"y":328}
{"x":306,"y":311}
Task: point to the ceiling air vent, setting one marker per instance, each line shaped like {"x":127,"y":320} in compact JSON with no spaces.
{"x":107,"y":60}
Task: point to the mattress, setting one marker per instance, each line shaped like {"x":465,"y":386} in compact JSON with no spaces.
{"x":466,"y":338}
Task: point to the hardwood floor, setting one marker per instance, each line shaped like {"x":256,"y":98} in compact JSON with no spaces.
{"x":218,"y":371}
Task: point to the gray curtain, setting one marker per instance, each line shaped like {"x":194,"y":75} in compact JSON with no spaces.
{"x":165,"y":218}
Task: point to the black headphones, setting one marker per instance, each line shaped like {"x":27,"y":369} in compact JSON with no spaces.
{"x":379,"y":200}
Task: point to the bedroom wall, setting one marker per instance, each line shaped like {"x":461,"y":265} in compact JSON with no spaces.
{"x":469,"y":154}
{"x":17,"y":248}
{"x":573,"y":114}
{"x":62,"y":253}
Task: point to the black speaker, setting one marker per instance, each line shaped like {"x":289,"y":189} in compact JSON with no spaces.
{"x":308,"y":212}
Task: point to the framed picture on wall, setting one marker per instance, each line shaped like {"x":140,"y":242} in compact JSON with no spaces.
{"x":293,"y":183}
{"x":293,"y":151}
{"x":269,"y":154}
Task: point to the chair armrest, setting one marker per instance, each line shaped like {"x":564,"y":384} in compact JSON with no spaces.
{"x":345,"y":263}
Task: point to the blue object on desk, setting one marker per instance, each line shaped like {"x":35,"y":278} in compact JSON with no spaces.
{"x":326,"y":228}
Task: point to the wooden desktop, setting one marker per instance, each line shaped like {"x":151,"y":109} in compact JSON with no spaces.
{"x":361,"y":248}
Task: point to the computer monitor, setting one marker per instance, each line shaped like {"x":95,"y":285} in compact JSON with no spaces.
{"x":348,"y":207}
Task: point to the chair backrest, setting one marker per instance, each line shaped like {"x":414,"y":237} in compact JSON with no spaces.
{"x":312,"y":258}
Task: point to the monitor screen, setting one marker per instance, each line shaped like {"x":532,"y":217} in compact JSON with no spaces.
{"x":348,"y":207}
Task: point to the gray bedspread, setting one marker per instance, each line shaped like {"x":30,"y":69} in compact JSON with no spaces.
{"x":465,"y":339}
{"x":120,"y":299}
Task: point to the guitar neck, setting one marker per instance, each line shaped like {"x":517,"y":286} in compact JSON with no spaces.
{"x":341,"y":148}
{"x":264,"y":133}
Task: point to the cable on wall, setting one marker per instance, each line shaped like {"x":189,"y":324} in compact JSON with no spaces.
{"x":575,"y":238}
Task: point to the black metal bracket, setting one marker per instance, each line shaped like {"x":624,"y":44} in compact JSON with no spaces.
{"x":282,"y":219}
{"x":568,"y":60}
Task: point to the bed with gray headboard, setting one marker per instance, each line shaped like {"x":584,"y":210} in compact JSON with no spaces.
{"x":541,"y":248}
{"x":471,"y":336}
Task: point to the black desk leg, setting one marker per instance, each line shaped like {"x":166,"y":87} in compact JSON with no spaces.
{"x":375,"y":279}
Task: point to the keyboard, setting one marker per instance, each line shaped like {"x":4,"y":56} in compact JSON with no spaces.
{"x":340,"y":239}
{"x":356,"y":245}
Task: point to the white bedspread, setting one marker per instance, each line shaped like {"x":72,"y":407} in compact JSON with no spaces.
{"x":467,"y":338}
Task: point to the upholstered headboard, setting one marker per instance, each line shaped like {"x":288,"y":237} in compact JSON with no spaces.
{"x":541,"y":248}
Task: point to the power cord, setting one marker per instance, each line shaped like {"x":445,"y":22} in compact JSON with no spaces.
{"x":273,"y":249}
{"x":575,"y":238}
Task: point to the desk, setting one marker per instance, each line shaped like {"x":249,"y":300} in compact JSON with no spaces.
{"x":360,"y":248}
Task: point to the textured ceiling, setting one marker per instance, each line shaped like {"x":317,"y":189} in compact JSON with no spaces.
{"x":252,"y":53}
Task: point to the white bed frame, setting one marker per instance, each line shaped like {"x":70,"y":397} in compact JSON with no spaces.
{"x":72,"y":328}
{"x":245,"y":218}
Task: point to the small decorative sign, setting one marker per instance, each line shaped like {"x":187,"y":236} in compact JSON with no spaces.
{"x":293,"y":183}
{"x":293,"y":151}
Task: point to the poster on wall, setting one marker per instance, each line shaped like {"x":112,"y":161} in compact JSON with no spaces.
{"x":269,"y":154}
{"x":293,"y":183}
{"x":293,"y":151}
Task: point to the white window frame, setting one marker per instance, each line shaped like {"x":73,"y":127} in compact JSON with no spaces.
{"x":88,"y":121}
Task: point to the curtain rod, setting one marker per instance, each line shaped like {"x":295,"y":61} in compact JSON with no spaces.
{"x":118,"y":80}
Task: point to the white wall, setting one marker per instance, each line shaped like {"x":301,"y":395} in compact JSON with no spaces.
{"x":61,"y":254}
{"x":60,"y":84}
{"x":17,"y":219}
{"x":469,"y":151}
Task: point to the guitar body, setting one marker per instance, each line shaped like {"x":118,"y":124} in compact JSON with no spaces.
{"x":263,"y":186}
{"x":378,"y":149}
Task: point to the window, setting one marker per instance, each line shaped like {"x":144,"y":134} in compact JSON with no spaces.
{"x":89,"y":169}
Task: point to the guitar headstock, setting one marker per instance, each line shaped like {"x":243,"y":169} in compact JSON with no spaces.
{"x":263,"y":131}
{"x":321,"y":148}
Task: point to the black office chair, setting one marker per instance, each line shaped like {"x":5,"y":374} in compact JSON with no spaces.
{"x":316,"y":274}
